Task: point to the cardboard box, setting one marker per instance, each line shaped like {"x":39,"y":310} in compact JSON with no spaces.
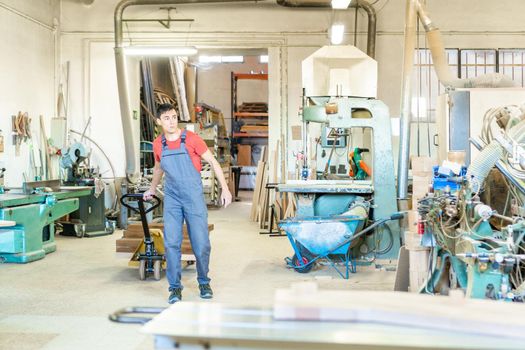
{"x":422,"y":166}
{"x":244,"y":156}
{"x":456,"y":157}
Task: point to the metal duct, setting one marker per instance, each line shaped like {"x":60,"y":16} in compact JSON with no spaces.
{"x":404,"y":136}
{"x":372,"y":25}
{"x":132,"y":172}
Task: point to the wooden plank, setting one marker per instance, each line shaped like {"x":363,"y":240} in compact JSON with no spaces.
{"x":449,"y":314}
{"x":244,"y":155}
{"x":250,"y":114}
{"x":256,"y":76}
{"x":263,"y":200}
{"x":256,"y":192}
{"x":251,"y":134}
{"x":49,"y":169}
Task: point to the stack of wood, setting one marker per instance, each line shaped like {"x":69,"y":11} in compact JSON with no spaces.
{"x":422,"y":173}
{"x":134,"y":235}
{"x":260,"y":109}
{"x":283,"y":203}
{"x":253,"y":107}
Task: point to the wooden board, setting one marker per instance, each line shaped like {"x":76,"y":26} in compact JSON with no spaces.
{"x":134,"y":235}
{"x":257,"y":190}
{"x":244,"y":156}
{"x":304,"y":302}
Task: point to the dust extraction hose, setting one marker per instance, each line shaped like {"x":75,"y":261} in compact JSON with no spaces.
{"x":440,"y":62}
{"x":480,"y":167}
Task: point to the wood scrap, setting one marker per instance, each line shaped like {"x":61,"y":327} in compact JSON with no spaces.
{"x":257,"y":190}
{"x":49,"y":169}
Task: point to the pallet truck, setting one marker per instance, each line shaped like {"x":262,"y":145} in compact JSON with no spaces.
{"x":150,"y":253}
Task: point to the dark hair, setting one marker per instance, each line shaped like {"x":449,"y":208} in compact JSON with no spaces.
{"x":163,"y":108}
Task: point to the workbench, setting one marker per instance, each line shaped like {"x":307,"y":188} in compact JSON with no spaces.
{"x":190,"y":325}
{"x":33,"y":236}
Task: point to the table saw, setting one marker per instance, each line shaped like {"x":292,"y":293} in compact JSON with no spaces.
{"x":34,"y":211}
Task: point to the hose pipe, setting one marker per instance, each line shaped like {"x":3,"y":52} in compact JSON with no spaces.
{"x":480,"y":168}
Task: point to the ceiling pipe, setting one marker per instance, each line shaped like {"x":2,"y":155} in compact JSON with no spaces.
{"x":132,"y":155}
{"x":370,"y":11}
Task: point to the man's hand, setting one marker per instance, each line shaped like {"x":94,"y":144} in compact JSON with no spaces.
{"x":149,"y":194}
{"x":226,"y":197}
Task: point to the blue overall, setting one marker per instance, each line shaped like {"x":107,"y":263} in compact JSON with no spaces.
{"x":183,"y":201}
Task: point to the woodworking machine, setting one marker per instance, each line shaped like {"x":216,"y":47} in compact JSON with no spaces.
{"x":33,"y":211}
{"x":341,"y":116}
{"x":473,"y":246}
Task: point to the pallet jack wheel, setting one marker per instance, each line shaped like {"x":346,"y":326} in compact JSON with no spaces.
{"x":142,"y":270}
{"x":157,"y":267}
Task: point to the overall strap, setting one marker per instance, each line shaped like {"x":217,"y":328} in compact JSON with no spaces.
{"x":183,"y":136}
{"x":164,"y":142}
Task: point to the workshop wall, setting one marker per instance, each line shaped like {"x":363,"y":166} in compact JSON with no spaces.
{"x":27,"y":77}
{"x":292,"y":34}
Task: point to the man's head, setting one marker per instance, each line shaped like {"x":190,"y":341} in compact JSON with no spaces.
{"x":167,"y":118}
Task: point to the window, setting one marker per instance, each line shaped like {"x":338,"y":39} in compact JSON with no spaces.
{"x":511,"y":62}
{"x":425,"y":84}
{"x":221,"y":59}
{"x":477,"y":62}
{"x":263,"y":59}
{"x":465,"y":64}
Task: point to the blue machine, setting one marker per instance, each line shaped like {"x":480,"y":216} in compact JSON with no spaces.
{"x":34,"y":214}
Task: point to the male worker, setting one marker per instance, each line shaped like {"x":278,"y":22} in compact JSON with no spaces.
{"x":178,"y":156}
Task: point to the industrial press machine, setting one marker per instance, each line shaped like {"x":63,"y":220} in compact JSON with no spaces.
{"x":347,"y":166}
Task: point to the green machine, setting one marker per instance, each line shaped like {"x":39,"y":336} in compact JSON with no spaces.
{"x":345,"y":127}
{"x":34,"y":209}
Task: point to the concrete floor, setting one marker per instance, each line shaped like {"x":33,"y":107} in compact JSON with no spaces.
{"x":62,"y":301}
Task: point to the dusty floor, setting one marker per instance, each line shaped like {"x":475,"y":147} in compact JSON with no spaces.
{"x":62,"y":301}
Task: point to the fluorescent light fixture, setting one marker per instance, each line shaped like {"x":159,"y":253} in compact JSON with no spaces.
{"x":340,"y":4}
{"x":209,"y":59}
{"x":263,"y":58}
{"x":232,"y":59}
{"x":337,"y":33}
{"x":160,"y":51}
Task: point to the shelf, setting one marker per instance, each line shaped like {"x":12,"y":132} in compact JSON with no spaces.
{"x":250,"y":114}
{"x":257,"y":76}
{"x":251,"y":134}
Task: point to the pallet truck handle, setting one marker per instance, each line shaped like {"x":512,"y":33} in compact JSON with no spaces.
{"x":140,"y":198}
{"x":122,"y":315}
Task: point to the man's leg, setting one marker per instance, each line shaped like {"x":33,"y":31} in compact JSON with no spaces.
{"x":173,"y":218}
{"x":200,"y":242}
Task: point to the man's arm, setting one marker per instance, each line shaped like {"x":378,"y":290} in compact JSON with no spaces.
{"x":157,"y":176}
{"x":226,"y":196}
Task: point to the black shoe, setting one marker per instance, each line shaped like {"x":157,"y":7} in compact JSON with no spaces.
{"x":175,"y":295}
{"x":206,"y":292}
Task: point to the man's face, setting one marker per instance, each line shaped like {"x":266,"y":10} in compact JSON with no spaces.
{"x":168,"y":121}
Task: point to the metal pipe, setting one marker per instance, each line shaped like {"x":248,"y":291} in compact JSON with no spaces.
{"x":408,"y":62}
{"x":370,"y":11}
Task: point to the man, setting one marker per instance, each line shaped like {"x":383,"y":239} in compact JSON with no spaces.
{"x":178,"y":155}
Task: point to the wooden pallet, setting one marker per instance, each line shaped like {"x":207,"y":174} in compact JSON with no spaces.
{"x":134,"y":235}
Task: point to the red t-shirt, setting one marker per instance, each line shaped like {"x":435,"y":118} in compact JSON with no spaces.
{"x":194,"y":145}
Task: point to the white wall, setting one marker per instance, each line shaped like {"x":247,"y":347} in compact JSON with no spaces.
{"x":27,"y":76}
{"x":292,"y":34}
